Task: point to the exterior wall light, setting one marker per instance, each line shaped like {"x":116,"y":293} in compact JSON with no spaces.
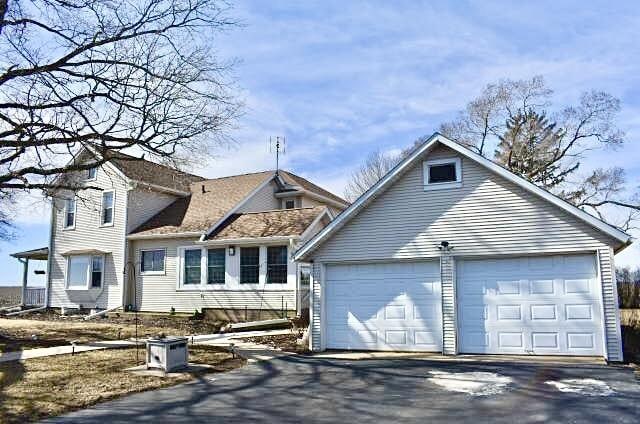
{"x":232,"y":250}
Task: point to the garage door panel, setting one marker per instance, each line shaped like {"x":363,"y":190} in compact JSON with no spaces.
{"x":521,"y":312}
{"x":385,"y":306}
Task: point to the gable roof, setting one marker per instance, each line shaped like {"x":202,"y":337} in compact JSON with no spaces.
{"x":276,"y":223}
{"x":395,"y":173}
{"x":152,"y":173}
{"x":209,"y":202}
{"x":297,"y":180}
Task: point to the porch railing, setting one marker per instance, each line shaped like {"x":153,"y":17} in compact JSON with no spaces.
{"x":35,"y":296}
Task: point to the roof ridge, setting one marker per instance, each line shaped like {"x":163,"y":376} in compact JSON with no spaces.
{"x":137,"y":159}
{"x":283,"y":210}
{"x":234,"y":176}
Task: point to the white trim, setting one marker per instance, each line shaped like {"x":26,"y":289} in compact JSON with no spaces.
{"x":95,"y":177}
{"x":236,"y":207}
{"x":164,"y":261}
{"x":299,"y":191}
{"x":392,"y":175}
{"x":164,"y":236}
{"x":304,"y":234}
{"x":113,"y":208}
{"x":249,"y":240}
{"x":75,"y":214}
{"x":457,"y":163}
{"x":88,"y":275}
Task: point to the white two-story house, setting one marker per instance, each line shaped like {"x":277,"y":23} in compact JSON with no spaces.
{"x":146,"y":237}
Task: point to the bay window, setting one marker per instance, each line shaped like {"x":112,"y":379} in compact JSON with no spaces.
{"x":85,"y":272}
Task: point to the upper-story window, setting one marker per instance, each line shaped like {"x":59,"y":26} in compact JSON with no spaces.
{"x":277,"y":265}
{"x":70,"y":213}
{"x":91,"y":174}
{"x":442,"y":173}
{"x":106,"y":217}
{"x":289,"y":203}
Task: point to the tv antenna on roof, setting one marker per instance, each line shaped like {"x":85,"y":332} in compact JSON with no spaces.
{"x":277,"y":145}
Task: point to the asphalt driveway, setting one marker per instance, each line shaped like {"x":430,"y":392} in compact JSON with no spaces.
{"x":303,"y":389}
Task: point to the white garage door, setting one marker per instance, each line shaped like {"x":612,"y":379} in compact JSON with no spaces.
{"x":385,"y":306}
{"x":541,"y":305}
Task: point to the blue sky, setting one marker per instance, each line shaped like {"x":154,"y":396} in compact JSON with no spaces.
{"x":341,"y":79}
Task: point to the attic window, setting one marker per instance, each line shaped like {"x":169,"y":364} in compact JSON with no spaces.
{"x":91,"y":174}
{"x":442,"y":174}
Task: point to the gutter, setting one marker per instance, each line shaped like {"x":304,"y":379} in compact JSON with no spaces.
{"x":164,"y":236}
{"x":248,"y":240}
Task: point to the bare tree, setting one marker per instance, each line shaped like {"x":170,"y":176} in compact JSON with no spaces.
{"x":117,"y":74}
{"x":547,"y":149}
{"x":375,"y":167}
{"x":508,"y":123}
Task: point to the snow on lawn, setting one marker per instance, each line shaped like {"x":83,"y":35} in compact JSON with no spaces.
{"x":473,"y":383}
{"x":583,"y":386}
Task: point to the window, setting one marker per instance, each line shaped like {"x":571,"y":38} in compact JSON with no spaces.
{"x":215,"y":266}
{"x":84,"y":272}
{"x":97,"y":265}
{"x":152,"y":261}
{"x":91,"y":174}
{"x":249,"y":265}
{"x":289,"y":204}
{"x":277,"y":265}
{"x":442,"y":173}
{"x":107,"y":208}
{"x":70,"y":213}
{"x":192,"y":266}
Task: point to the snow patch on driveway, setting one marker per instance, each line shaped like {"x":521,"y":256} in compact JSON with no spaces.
{"x":582,"y":386}
{"x":473,"y":383}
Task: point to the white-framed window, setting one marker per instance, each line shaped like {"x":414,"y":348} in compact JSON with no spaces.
{"x":216,"y":265}
{"x":192,"y":267}
{"x":442,"y":173}
{"x":90,"y":174}
{"x":69,"y":213}
{"x":249,"y":265}
{"x":107,"y":209}
{"x":201,"y":268}
{"x":85,"y":272}
{"x":152,"y":261}
{"x":277,"y":265}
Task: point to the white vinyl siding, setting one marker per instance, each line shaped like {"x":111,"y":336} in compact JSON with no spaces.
{"x":487,"y":215}
{"x":144,"y":204}
{"x":263,"y":200}
{"x":159,"y":293}
{"x":89,"y":234}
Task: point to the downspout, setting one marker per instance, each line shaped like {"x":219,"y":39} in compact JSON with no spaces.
{"x":52,"y":226}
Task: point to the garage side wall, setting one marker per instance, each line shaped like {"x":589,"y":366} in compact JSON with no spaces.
{"x":610,"y":305}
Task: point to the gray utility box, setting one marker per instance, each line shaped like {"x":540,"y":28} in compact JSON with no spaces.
{"x":168,"y":354}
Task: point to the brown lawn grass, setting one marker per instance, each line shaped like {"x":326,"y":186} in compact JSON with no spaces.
{"x":16,"y":334}
{"x":44,"y":387}
{"x":630,"y":320}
